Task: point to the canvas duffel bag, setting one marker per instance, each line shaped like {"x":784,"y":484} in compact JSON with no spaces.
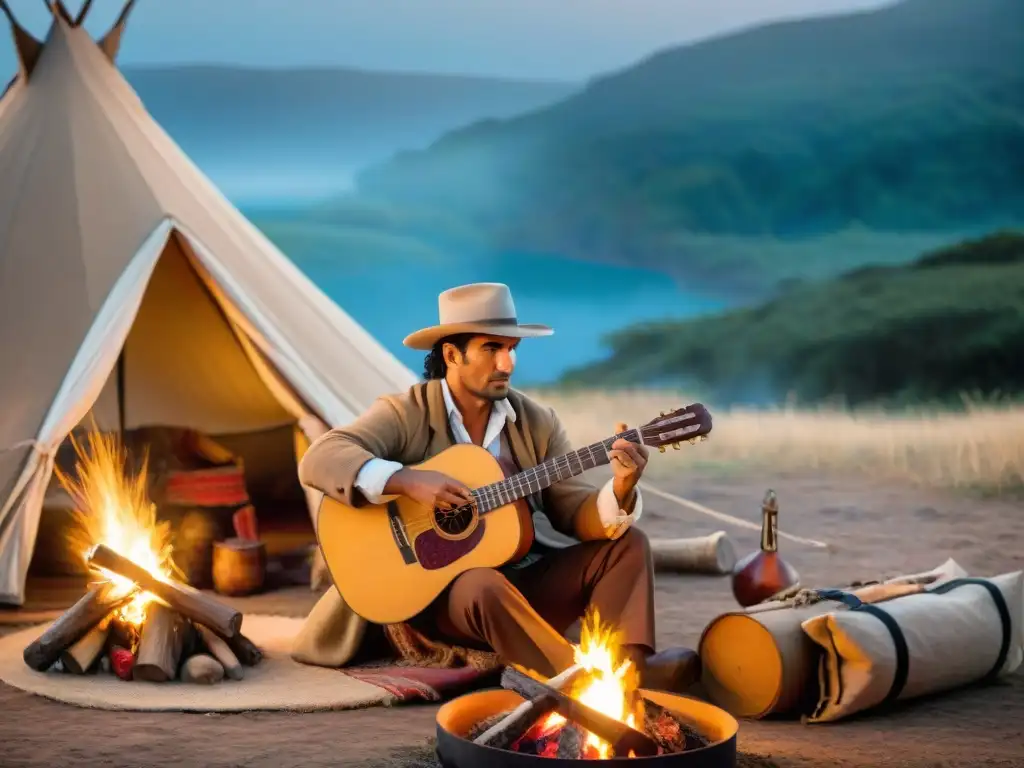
{"x":952,"y":634}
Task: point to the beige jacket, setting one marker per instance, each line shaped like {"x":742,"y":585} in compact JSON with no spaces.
{"x":410,"y":428}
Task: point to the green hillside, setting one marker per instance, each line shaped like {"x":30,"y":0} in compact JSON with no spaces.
{"x":907,"y":120}
{"x":950,"y":323}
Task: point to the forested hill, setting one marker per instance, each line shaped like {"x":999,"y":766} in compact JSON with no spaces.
{"x":951,"y":323}
{"x":905,"y":119}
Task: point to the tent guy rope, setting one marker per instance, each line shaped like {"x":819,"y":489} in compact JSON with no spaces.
{"x":648,"y":488}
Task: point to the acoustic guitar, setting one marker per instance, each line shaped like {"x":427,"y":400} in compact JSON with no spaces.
{"x":391,"y":560}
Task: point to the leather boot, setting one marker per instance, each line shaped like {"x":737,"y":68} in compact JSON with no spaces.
{"x":672,"y":670}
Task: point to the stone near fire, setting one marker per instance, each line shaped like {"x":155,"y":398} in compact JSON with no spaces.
{"x":202,"y":669}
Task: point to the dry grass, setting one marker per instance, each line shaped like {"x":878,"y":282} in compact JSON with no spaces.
{"x":979,"y":448}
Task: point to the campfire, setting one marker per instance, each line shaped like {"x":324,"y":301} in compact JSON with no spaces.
{"x":139,"y":618}
{"x":594,"y":710}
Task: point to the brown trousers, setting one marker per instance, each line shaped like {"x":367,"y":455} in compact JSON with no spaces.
{"x":523,"y":614}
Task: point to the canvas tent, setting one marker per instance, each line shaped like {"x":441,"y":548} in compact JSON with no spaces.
{"x":111,"y":240}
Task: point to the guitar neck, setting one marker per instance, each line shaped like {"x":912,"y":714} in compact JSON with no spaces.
{"x":548,"y":473}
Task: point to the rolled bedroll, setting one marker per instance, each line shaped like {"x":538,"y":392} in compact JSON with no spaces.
{"x":712,"y":554}
{"x":759,"y":661}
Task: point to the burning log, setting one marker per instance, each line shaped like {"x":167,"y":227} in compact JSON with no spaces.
{"x":221,"y":652}
{"x":516,"y":723}
{"x":570,"y":742}
{"x":79,"y":658}
{"x":622,"y":738}
{"x":509,"y":729}
{"x":668,"y":731}
{"x":187,"y":601}
{"x":245,"y":649}
{"x":74,"y":624}
{"x":542,"y":738}
{"x":122,"y":633}
{"x":160,"y":646}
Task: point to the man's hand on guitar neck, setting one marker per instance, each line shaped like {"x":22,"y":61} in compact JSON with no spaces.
{"x":433,"y":490}
{"x":628,"y":462}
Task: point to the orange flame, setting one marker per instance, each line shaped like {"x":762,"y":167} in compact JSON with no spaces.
{"x":112,"y":508}
{"x":608,"y":684}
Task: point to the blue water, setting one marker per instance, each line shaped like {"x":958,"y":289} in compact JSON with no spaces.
{"x":581,"y":301}
{"x":390,"y":285}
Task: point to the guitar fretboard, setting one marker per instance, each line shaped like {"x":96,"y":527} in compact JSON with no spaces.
{"x":548,"y":473}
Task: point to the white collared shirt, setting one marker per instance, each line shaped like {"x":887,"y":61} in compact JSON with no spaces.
{"x":373,"y":476}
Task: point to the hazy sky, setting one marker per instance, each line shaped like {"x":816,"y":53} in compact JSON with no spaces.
{"x":565,"y":39}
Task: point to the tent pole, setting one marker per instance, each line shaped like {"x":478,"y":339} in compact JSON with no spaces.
{"x":120,"y":394}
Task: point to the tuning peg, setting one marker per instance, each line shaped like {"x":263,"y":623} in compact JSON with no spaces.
{"x":663,"y":413}
{"x":661,"y":448}
{"x":703,"y":438}
{"x":693,"y":441}
{"x":675,"y":445}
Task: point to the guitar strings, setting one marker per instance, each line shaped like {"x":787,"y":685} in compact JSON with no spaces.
{"x":492,"y":495}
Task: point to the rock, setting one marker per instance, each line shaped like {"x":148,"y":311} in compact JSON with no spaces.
{"x":202,"y":669}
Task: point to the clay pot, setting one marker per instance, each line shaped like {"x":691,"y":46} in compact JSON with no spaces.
{"x":764,"y":573}
{"x":239,"y":566}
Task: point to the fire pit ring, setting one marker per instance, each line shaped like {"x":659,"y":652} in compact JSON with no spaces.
{"x":458,"y":717}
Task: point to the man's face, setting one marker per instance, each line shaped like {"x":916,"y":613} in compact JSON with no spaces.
{"x":486,"y":368}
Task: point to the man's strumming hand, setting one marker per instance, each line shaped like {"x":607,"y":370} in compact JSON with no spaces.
{"x":433,"y":490}
{"x":628,"y":461}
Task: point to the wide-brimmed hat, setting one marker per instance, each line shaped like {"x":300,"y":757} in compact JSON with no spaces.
{"x":485,"y":308}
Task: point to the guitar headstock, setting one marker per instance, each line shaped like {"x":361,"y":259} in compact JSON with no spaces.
{"x":692,"y":423}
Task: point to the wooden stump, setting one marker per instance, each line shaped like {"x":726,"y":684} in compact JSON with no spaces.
{"x":79,"y":658}
{"x":163,"y":634}
{"x":239,"y":566}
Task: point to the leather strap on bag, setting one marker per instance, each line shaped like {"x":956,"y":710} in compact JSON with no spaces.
{"x":899,"y":679}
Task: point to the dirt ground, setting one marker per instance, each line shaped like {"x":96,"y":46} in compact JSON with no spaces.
{"x":878,"y":531}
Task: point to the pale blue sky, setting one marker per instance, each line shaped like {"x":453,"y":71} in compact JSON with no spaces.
{"x":566,"y":39}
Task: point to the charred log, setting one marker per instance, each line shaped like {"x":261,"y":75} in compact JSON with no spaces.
{"x":189,"y":602}
{"x":622,"y":738}
{"x":74,"y":624}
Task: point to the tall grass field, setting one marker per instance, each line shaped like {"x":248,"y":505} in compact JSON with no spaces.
{"x":979,"y":448}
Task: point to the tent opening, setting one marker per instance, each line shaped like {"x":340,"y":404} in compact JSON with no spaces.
{"x":221,"y":429}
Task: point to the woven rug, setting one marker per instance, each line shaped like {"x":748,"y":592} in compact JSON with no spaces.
{"x":276,"y":683}
{"x":409,"y":684}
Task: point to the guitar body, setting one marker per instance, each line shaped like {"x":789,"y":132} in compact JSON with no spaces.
{"x":389,"y":561}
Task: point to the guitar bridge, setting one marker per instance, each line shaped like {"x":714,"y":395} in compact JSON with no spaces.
{"x":398,"y":531}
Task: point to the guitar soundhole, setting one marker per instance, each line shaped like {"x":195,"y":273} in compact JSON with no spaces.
{"x":454,"y":522}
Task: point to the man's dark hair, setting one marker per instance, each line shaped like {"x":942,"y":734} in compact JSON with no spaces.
{"x":434,"y":365}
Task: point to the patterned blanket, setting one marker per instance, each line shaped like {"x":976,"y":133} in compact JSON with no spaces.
{"x":427,"y":670}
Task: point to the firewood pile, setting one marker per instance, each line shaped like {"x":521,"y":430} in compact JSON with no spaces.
{"x":551,"y":723}
{"x":142,"y":627}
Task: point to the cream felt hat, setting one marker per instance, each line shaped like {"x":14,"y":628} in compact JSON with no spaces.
{"x":485,"y":308}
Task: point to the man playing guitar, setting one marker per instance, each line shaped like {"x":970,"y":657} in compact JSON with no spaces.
{"x":522,"y":609}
